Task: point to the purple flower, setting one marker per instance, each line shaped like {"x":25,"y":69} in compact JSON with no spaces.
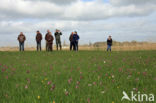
{"x":26,"y":86}
{"x":49,"y":82}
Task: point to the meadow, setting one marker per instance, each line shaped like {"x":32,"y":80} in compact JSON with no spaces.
{"x":75,"y":77}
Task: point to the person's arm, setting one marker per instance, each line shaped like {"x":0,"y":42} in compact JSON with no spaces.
{"x":18,"y":38}
{"x":24,"y":38}
{"x":46,"y":37}
{"x":52,"y":37}
{"x":70,"y":38}
{"x":41,"y":36}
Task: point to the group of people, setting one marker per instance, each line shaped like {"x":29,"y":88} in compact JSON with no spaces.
{"x":74,"y":38}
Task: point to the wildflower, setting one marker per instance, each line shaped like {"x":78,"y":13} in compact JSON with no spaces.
{"x":28,"y":72}
{"x":81,"y":77}
{"x":6,"y":77}
{"x":28,"y":80}
{"x":66,"y":93}
{"x":137,"y":79}
{"x":45,"y":79}
{"x":76,"y":86}
{"x":77,"y":82}
{"x":53,"y":87}
{"x":53,"y":101}
{"x":112,"y":101}
{"x":104,"y":62}
{"x":42,"y":81}
{"x":89,"y":85}
{"x":69,"y":80}
{"x":88,"y":100}
{"x":49,"y":82}
{"x":102,"y":92}
{"x":94,"y":83}
{"x":112,"y":76}
{"x":26,"y":86}
{"x":38,"y":97}
{"x":144,"y":73}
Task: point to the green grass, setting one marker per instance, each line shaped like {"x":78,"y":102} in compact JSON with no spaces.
{"x":101,"y":76}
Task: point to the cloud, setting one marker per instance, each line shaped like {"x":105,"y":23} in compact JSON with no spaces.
{"x":79,"y":10}
{"x":132,"y":2}
{"x":56,"y":1}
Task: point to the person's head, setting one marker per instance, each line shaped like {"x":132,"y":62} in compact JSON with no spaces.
{"x":21,"y":33}
{"x":48,"y":31}
{"x":72,"y":33}
{"x":75,"y":32}
{"x":37,"y":31}
{"x":56,"y":30}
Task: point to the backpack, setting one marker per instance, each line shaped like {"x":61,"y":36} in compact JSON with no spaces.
{"x":21,"y":38}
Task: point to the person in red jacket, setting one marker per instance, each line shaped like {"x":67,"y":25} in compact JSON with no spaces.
{"x":38,"y":40}
{"x":49,"y":39}
{"x":21,"y":38}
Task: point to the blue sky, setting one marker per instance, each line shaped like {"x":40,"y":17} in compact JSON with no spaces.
{"x":94,"y":20}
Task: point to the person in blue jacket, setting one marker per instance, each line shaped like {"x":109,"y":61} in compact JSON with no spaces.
{"x":76,"y":41}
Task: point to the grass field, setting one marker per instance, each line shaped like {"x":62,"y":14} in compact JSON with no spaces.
{"x":75,"y":77}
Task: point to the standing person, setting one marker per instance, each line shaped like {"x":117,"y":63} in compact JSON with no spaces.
{"x":76,"y":39}
{"x":58,"y":39}
{"x":38,"y":40}
{"x":21,"y":38}
{"x":71,"y":41}
{"x":49,"y":38}
{"x":109,"y":43}
{"x":48,"y":31}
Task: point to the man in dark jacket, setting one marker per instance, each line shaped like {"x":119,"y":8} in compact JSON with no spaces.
{"x":21,"y":38}
{"x":72,"y":45}
{"x":48,"y":31}
{"x":58,"y":39}
{"x":76,"y":40}
{"x":38,"y":40}
{"x":49,"y":38}
{"x":109,"y":43}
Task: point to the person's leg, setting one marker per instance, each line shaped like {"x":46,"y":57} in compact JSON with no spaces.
{"x":74,"y":43}
{"x":56,"y":44}
{"x":19,"y":46}
{"x":107,"y":47}
{"x":70,"y":46}
{"x":77,"y":46}
{"x":37,"y":46}
{"x":51,"y":47}
{"x":110,"y":48}
{"x":22,"y":46}
{"x":47,"y":46}
{"x":60,"y":45}
{"x":40,"y":46}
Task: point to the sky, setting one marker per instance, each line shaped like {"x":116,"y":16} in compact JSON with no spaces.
{"x":94,"y":20}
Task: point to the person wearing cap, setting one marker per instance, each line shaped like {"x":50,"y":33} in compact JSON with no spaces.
{"x":58,"y":39}
{"x":38,"y":40}
{"x":109,"y":43}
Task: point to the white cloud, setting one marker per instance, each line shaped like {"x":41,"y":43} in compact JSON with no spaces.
{"x":132,"y":2}
{"x":79,"y":10}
